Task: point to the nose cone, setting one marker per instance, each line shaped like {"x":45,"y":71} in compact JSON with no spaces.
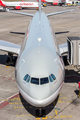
{"x":39,"y":92}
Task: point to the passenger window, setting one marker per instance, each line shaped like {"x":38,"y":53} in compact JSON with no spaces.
{"x":44,"y":80}
{"x":26,"y":78}
{"x":35,"y":81}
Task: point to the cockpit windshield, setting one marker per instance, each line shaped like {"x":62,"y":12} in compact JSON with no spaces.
{"x":44,"y":80}
{"x":35,"y":81}
{"x":39,"y":81}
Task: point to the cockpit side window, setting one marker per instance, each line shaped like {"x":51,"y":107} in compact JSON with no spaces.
{"x":26,"y":78}
{"x":44,"y":80}
{"x":35,"y":81}
{"x":52,"y":78}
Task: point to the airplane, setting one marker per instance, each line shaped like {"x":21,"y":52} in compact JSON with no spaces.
{"x":18,"y":5}
{"x":39,"y":69}
{"x":52,"y":2}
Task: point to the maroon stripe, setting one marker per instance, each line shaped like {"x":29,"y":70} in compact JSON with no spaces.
{"x":3,"y":104}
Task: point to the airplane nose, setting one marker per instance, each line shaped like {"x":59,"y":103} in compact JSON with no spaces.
{"x":39,"y":92}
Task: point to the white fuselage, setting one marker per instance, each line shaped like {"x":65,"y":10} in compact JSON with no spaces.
{"x":39,"y":58}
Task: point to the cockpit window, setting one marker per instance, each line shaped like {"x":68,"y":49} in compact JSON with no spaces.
{"x":44,"y":80}
{"x":35,"y":81}
{"x":26,"y":78}
{"x":52,"y":78}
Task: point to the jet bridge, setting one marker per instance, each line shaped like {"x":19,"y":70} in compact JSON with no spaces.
{"x":73,"y":50}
